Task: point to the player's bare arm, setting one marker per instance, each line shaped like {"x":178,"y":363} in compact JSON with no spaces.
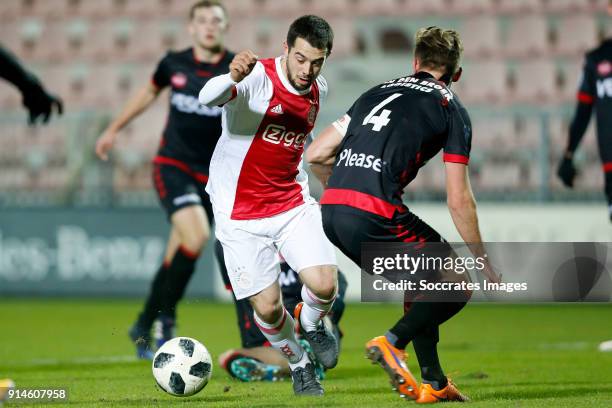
{"x":462,"y":207}
{"x":220,"y":90}
{"x":321,"y":154}
{"x":138,"y":104}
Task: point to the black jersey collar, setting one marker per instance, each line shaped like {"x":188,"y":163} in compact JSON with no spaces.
{"x":427,"y":75}
{"x":424,"y":75}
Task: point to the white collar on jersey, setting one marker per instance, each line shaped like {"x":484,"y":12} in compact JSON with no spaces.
{"x":285,"y":81}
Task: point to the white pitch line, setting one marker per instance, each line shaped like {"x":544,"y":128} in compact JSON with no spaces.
{"x":41,"y":362}
{"x":575,"y":345}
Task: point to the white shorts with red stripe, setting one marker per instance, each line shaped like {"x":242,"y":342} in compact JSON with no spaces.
{"x":251,"y":247}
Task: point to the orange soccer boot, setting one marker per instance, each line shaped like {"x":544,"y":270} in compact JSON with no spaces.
{"x":393,"y":361}
{"x":427,"y":394}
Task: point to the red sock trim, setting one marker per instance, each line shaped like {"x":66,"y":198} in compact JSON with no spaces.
{"x":272,"y":330}
{"x":188,"y":253}
{"x":316,"y":299}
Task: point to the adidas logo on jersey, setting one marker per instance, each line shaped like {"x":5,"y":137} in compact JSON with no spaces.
{"x":278,"y":109}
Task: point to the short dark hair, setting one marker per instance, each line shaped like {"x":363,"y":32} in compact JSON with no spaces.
{"x":313,"y":29}
{"x":206,"y":3}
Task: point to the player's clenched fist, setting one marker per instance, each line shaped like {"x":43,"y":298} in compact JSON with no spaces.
{"x":242,"y":65}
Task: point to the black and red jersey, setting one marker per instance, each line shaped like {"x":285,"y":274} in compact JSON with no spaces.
{"x":192,"y":130}
{"x":595,"y":91}
{"x":390,"y":132}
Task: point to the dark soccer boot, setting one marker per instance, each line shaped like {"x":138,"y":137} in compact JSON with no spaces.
{"x":323,"y":342}
{"x":142,"y":340}
{"x":319,"y":369}
{"x":305,"y":381}
{"x":164,"y":329}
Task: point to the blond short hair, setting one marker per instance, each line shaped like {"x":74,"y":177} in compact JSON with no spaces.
{"x":438,"y":49}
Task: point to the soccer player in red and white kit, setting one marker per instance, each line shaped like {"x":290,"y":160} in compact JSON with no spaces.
{"x":260,"y":196}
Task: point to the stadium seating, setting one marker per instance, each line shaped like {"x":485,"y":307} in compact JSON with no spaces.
{"x":519,"y":6}
{"x":480,"y":36}
{"x":575,"y":34}
{"x":535,"y":81}
{"x":521,"y":57}
{"x":568,"y":6}
{"x":483,"y":81}
{"x":471,"y":7}
{"x":528,"y":36}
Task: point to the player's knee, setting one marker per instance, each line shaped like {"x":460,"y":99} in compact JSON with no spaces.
{"x":268,"y":312}
{"x":325,"y":287}
{"x":196,"y":241}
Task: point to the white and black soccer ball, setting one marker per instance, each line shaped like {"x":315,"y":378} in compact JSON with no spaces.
{"x":182,"y":366}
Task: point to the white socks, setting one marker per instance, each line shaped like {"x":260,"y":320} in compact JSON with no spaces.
{"x":281,"y":336}
{"x":314,"y":309}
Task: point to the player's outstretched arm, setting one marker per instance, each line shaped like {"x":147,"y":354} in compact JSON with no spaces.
{"x":566,"y":170}
{"x":221,"y":89}
{"x":586,"y":91}
{"x":36,"y":99}
{"x":321,"y":154}
{"x":135,"y":106}
{"x":462,"y":207}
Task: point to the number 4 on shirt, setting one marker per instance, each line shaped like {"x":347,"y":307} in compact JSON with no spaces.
{"x":381,"y":120}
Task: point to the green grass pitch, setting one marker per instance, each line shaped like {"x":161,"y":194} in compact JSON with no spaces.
{"x":500,"y":355}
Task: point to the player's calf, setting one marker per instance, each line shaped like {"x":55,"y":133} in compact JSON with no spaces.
{"x":281,"y":335}
{"x":311,"y":326}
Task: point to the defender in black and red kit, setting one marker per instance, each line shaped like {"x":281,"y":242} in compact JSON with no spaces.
{"x":594,"y":93}
{"x":181,"y":166}
{"x":367,"y":157}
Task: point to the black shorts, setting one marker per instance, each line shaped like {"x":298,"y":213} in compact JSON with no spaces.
{"x":251,"y":336}
{"x":180,"y":187}
{"x":347,"y":228}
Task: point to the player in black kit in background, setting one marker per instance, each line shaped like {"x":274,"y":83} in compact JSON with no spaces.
{"x":367,"y":158}
{"x":595,"y":90}
{"x":181,"y":166}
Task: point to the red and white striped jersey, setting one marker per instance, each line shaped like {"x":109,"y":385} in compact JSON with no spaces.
{"x":256,"y":169}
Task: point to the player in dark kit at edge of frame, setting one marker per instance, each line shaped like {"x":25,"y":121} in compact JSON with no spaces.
{"x":595,"y":91}
{"x":181,"y":166}
{"x":40,"y":105}
{"x":397,"y":127}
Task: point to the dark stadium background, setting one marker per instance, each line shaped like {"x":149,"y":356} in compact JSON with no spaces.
{"x":71,"y":224}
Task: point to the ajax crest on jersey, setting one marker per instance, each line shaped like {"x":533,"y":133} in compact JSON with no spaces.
{"x":182,"y":366}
